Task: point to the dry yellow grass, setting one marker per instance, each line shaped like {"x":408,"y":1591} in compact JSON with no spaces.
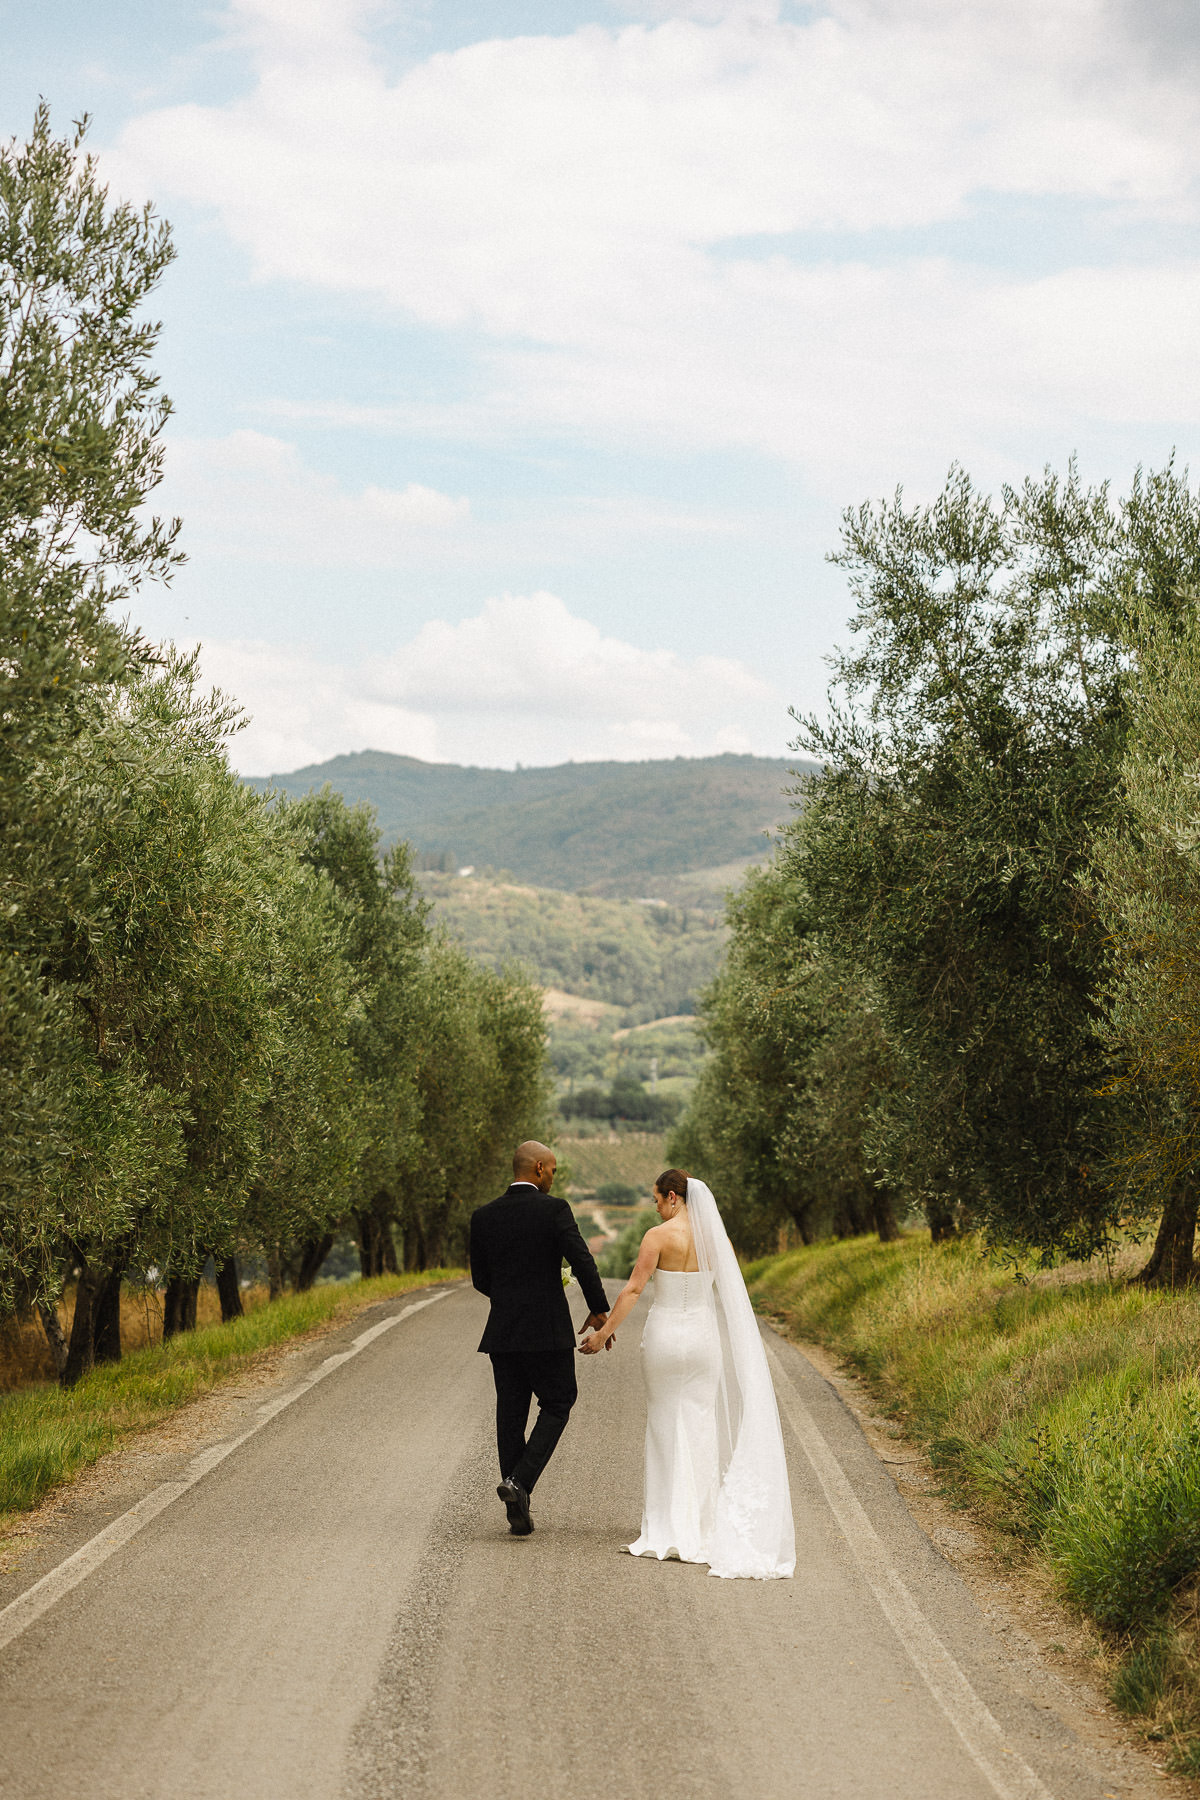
{"x":25,"y":1354}
{"x":556,"y":1004}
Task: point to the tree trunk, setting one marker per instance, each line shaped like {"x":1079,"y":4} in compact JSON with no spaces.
{"x":81,"y":1350}
{"x":850,"y":1218}
{"x":230,"y":1290}
{"x":408,"y":1248}
{"x":801,"y":1216}
{"x":106,"y":1318}
{"x":1173,"y":1263}
{"x":942,"y":1227}
{"x":312,"y":1255}
{"x":376,"y":1245}
{"x":179,"y":1305}
{"x":416,"y":1246}
{"x":52,"y":1326}
{"x":274,"y":1275}
{"x":884,"y":1214}
{"x":371,"y":1244}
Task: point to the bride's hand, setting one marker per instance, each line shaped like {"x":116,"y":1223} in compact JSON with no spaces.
{"x":591,"y":1344}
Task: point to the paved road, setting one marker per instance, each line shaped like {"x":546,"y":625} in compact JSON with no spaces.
{"x":334,"y":1611}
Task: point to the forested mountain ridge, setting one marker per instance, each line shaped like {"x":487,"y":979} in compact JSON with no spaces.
{"x":608,"y":828}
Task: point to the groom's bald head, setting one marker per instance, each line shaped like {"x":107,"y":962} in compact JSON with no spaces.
{"x":535,"y":1162}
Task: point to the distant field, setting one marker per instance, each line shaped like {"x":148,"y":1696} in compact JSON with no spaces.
{"x":636,"y":1158}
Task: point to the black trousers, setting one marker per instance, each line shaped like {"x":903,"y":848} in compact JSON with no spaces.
{"x":519,"y":1375}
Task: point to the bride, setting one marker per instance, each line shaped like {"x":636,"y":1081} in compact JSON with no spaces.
{"x":716,"y":1477}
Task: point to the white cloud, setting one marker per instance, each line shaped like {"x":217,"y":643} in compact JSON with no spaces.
{"x":523,"y":681}
{"x":302,"y":708}
{"x":585,"y":202}
{"x":252,"y":495}
{"x":530,"y":652}
{"x":708,"y":12}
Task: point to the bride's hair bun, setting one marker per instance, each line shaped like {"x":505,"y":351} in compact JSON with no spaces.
{"x":673,"y":1181}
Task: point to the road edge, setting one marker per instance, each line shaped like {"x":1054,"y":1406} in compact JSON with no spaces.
{"x":1000,"y":1582}
{"x":45,"y":1592}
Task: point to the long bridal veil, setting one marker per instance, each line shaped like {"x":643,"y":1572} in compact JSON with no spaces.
{"x":753,"y":1535}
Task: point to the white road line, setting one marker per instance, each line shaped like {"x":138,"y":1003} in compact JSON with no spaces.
{"x":1009,"y":1776}
{"x":28,"y":1607}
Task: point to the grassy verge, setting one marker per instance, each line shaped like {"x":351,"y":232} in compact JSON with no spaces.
{"x":48,"y":1434}
{"x":25,"y":1357}
{"x":1068,"y":1409}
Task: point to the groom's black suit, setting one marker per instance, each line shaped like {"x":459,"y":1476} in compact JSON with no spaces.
{"x":518,"y":1245}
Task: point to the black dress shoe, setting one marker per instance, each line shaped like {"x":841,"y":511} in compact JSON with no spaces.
{"x":516,"y":1505}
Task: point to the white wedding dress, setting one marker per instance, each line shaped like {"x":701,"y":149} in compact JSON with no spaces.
{"x":716,"y":1475}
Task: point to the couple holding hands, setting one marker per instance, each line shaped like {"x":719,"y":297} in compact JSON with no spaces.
{"x":716,"y":1484}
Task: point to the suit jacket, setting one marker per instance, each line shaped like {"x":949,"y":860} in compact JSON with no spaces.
{"x":518,"y":1244}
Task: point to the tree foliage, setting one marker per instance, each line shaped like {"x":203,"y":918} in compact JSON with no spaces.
{"x":1146,"y":885}
{"x":914,"y":1000}
{"x":80,"y":418}
{"x":225,"y":1023}
{"x":797,"y":1056}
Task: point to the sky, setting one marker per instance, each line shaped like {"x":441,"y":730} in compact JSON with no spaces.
{"x":526,"y":356}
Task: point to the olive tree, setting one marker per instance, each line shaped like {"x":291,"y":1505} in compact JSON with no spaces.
{"x":1146,"y":887}
{"x":478,"y":1057}
{"x":165,"y":986}
{"x":386,"y":939}
{"x":80,"y":418}
{"x":797,"y":1055}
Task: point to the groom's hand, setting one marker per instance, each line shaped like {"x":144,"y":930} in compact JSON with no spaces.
{"x":593,"y":1324}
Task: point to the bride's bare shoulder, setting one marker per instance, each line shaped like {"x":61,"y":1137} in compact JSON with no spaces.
{"x":673,"y":1242}
{"x":648,"y":1258}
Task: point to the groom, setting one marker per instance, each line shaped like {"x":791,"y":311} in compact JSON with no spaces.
{"x":518,"y":1244}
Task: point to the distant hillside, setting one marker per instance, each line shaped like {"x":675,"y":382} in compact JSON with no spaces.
{"x":647,"y":961}
{"x":622,"y":977}
{"x":606,"y":828}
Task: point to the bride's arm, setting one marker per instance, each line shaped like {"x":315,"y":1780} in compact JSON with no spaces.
{"x":629,"y":1295}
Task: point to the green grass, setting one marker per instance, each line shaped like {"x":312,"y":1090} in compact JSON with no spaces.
{"x":1068,"y":1410}
{"x":48,"y":1434}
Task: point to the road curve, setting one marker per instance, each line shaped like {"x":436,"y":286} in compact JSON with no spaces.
{"x":332,"y":1609}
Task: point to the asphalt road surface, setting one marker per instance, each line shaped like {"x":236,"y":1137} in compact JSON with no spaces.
{"x":325,"y":1604}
